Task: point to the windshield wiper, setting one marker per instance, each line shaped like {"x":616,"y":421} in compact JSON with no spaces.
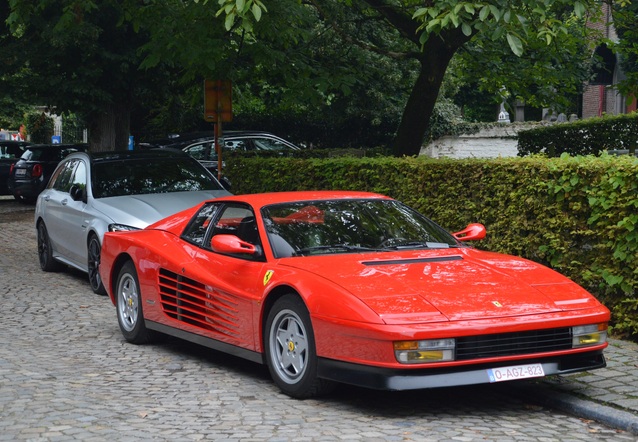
{"x":335,"y":248}
{"x":419,"y":245}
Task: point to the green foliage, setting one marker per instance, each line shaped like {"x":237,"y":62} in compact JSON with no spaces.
{"x":517,"y":22}
{"x":626,"y":24}
{"x":584,"y":137}
{"x":12,"y":113}
{"x":72,"y":129}
{"x":577,"y":215}
{"x":40,"y":127}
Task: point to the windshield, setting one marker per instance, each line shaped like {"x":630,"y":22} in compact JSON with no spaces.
{"x":341,"y":226}
{"x":150,"y":175}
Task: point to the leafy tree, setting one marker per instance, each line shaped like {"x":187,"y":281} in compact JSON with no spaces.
{"x":626,"y":24}
{"x":75,"y":56}
{"x":431,"y":34}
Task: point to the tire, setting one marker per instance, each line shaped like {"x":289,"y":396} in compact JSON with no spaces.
{"x":130,"y":315}
{"x":290,"y":349}
{"x":93,"y":265}
{"x":45,"y":252}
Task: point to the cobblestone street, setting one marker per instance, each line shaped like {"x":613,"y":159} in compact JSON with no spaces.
{"x":66,"y":373}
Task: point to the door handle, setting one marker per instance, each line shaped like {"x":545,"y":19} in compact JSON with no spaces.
{"x":64,"y":202}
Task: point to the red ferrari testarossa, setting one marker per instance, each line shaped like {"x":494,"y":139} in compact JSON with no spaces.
{"x":351,"y":287}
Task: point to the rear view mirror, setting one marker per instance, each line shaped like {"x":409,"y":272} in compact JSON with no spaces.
{"x":232,"y":244}
{"x":472,"y":232}
{"x":77,"y":193}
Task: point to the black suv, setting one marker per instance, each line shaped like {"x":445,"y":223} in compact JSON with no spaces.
{"x":31,"y":173}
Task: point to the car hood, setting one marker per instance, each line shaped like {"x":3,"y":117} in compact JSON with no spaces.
{"x":455,"y":284}
{"x":141,"y":210}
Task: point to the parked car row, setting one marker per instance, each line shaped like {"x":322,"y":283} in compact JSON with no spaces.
{"x":323,"y":287}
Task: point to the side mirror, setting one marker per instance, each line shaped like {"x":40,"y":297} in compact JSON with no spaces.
{"x":472,"y":232}
{"x":77,"y":193}
{"x":232,"y":244}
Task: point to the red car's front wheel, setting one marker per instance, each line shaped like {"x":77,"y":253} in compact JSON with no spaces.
{"x":290,"y":349}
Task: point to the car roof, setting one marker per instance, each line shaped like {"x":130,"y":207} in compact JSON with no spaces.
{"x":57,"y":146}
{"x":193,"y":137}
{"x":14,"y":143}
{"x":118,"y":155}
{"x":265,"y":199}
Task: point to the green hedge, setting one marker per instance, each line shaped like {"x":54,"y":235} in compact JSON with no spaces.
{"x":577,"y":215}
{"x":591,"y":136}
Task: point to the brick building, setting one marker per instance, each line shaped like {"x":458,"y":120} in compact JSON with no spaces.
{"x":600,"y":96}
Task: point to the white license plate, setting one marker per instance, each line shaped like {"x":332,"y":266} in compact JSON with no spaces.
{"x":21,"y":172}
{"x":515,"y":372}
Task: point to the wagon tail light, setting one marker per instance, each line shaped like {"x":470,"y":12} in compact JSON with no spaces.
{"x":426,"y":351}
{"x":11,"y":168}
{"x":588,"y":335}
{"x":37,"y":171}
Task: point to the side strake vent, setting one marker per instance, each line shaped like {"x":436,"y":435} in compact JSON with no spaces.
{"x":413,"y":261}
{"x":191,"y":302}
{"x":517,"y":343}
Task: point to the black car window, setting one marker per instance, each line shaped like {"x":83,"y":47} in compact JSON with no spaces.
{"x":240,"y":145}
{"x":202,"y":151}
{"x":62,"y":179}
{"x":49,"y":153}
{"x":140,"y":176}
{"x":269,"y":144}
{"x":196,"y":230}
{"x":11,"y":151}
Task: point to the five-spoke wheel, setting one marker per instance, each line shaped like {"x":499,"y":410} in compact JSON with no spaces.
{"x":290,"y":349}
{"x":129,"y":306}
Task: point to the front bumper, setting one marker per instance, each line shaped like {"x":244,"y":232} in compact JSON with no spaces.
{"x":392,"y":379}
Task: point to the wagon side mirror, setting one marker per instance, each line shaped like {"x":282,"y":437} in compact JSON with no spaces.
{"x":472,"y":232}
{"x":77,"y":193}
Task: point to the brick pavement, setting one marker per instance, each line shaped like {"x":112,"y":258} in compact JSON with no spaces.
{"x":67,"y":374}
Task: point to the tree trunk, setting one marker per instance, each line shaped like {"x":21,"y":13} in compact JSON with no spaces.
{"x":110,"y":129}
{"x":436,"y":57}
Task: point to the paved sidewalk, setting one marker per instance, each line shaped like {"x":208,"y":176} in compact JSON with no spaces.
{"x":608,"y":395}
{"x":98,"y":386}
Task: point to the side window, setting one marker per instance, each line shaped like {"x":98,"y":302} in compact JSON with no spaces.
{"x":202,"y":151}
{"x":268,"y":144}
{"x":239,"y":220}
{"x":79,"y":176}
{"x":196,"y":230}
{"x":236,"y":145}
{"x":62,"y":180}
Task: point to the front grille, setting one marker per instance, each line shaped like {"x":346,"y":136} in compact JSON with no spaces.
{"x":508,"y":344}
{"x":193,"y":303}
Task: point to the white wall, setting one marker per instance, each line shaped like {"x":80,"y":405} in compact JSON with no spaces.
{"x":500,"y":141}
